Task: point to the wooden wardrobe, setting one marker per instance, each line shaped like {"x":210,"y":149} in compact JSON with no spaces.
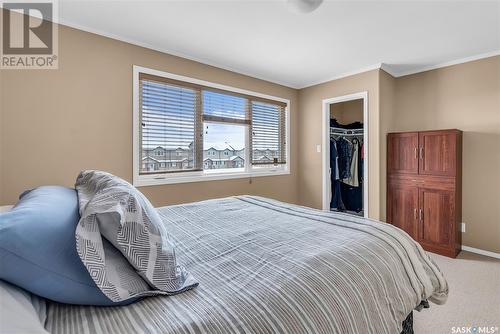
{"x":424,"y":187}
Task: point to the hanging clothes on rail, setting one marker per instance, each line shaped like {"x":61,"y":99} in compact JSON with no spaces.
{"x":336,"y":199}
{"x":345,"y":156}
{"x":346,"y":164}
{"x":353,"y":178}
{"x":361,"y":162}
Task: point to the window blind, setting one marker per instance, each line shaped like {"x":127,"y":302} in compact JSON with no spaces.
{"x":268,"y":135}
{"x":223,"y":107}
{"x":171,"y":126}
{"x":172,"y":115}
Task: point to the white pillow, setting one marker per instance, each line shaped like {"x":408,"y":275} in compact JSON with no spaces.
{"x":20,"y":311}
{"x":115,"y":213}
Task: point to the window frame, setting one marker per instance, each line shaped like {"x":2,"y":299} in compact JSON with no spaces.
{"x":250,"y":170}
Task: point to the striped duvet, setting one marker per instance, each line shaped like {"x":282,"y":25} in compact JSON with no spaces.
{"x":270,"y":267}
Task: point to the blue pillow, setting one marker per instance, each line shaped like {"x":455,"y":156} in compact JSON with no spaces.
{"x":38,"y":248}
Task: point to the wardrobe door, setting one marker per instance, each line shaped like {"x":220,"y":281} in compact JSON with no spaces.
{"x":437,"y":153}
{"x":436,"y":215}
{"x":402,"y":153}
{"x":402,"y":208}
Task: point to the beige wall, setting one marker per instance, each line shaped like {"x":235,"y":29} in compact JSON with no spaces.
{"x":310,"y":164}
{"x":55,"y":123}
{"x":466,"y":97}
{"x":58,"y":122}
{"x":347,"y":112}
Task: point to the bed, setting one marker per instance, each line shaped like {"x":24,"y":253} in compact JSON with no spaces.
{"x":269,"y":267}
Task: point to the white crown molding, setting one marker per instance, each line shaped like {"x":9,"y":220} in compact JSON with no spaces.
{"x":387,"y":68}
{"x":345,"y":75}
{"x":383,"y":66}
{"x":441,"y":65}
{"x":481,"y":252}
{"x":170,"y":52}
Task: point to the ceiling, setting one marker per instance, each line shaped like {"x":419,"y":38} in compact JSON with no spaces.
{"x":266,"y":40}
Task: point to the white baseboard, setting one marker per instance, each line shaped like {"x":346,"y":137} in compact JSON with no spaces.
{"x":481,"y":252}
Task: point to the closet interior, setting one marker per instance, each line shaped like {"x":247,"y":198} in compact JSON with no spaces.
{"x":347,"y":157}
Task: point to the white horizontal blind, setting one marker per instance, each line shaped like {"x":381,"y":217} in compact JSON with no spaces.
{"x":173,"y":113}
{"x":268,"y":136}
{"x":223,"y":107}
{"x":170,"y":126}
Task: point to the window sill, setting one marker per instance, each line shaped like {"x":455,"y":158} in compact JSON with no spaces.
{"x":156,"y":180}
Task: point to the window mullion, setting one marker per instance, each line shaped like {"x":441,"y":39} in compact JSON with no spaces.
{"x":248,"y":137}
{"x":199,"y":130}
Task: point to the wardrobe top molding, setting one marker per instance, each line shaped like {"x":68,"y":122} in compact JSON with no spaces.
{"x":416,"y":131}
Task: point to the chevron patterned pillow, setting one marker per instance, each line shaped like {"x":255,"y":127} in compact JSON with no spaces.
{"x":122,"y":241}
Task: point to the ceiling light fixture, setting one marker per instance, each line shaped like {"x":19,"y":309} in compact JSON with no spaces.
{"x":303,"y":6}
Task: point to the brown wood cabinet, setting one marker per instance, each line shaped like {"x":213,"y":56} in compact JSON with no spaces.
{"x":424,"y":190}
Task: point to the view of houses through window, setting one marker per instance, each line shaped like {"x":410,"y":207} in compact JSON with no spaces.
{"x":224,"y":148}
{"x":186,"y":127}
{"x":170,"y":159}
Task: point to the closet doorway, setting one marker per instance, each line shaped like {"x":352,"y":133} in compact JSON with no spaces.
{"x":345,"y":170}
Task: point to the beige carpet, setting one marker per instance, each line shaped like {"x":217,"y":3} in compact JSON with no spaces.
{"x":474,"y":298}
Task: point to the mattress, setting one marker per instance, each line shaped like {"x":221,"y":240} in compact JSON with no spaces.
{"x":269,"y":267}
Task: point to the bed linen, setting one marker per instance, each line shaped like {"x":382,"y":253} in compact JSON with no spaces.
{"x":269,"y":267}
{"x":20,"y":311}
{"x":123,"y":243}
{"x":37,"y":240}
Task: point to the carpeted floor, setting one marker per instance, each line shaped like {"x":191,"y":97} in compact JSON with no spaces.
{"x":474,"y":298}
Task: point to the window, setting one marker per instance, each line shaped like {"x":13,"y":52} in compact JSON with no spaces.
{"x":168,"y":120}
{"x":222,"y":136}
{"x":204,"y":131}
{"x":268,"y":133}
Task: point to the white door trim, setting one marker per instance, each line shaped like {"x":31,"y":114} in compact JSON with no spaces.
{"x":326,"y":147}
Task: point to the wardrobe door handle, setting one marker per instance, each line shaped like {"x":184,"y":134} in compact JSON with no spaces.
{"x":420,"y":214}
{"x":415,"y":213}
{"x":416,"y":152}
{"x":421,"y":153}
